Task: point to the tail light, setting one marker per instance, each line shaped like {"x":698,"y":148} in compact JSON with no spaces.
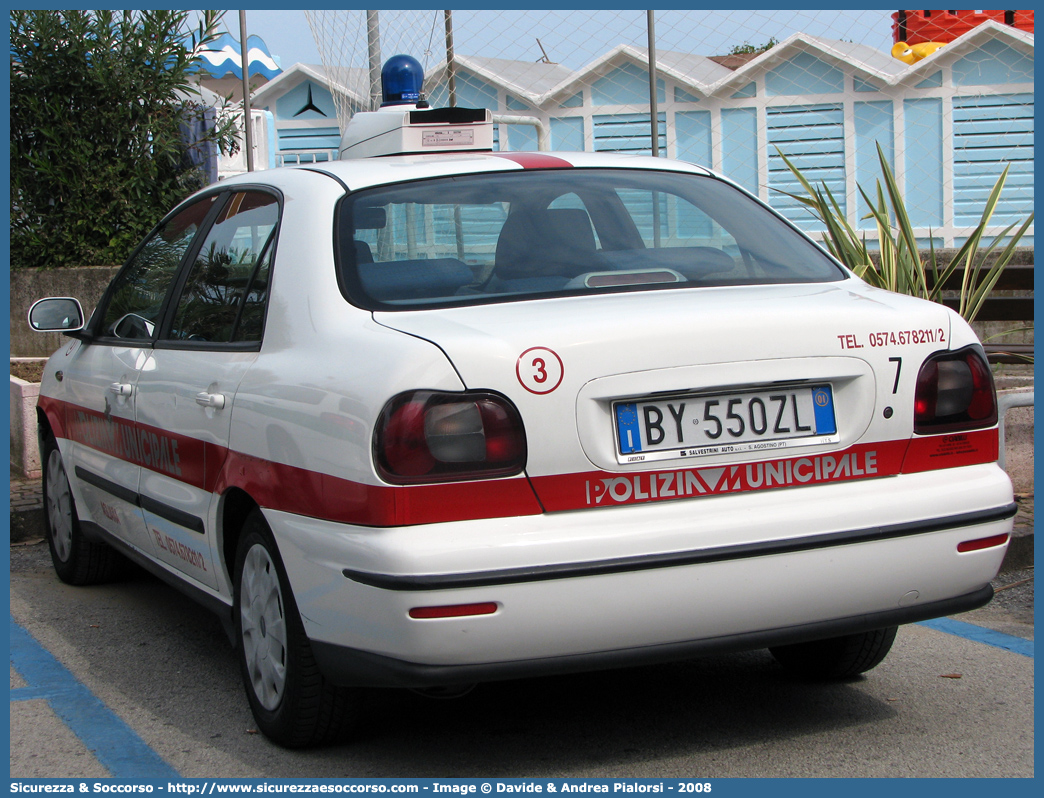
{"x":955,"y":392}
{"x":428,"y":436}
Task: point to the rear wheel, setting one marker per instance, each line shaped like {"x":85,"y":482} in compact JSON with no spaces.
{"x":293,"y":704}
{"x":77,"y":560}
{"x":837,"y":657}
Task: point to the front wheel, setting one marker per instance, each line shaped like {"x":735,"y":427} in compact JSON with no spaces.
{"x":77,"y":560}
{"x":837,"y":657}
{"x":293,"y":704}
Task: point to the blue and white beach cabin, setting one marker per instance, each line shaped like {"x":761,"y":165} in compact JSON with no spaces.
{"x":221,"y":73}
{"x":948,"y":124}
{"x":302,"y":104}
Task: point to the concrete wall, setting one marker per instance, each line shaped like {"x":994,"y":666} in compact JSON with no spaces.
{"x":86,"y":284}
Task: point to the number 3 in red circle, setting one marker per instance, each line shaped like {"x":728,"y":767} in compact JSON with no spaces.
{"x":539,"y":370}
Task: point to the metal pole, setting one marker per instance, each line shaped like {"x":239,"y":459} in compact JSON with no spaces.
{"x":543,"y":131}
{"x":654,"y":121}
{"x":653,"y":110}
{"x":248,"y":133}
{"x":451,"y":67}
{"x":451,"y":81}
{"x":373,"y":42}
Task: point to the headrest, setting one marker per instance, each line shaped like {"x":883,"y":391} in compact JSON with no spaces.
{"x":551,"y":241}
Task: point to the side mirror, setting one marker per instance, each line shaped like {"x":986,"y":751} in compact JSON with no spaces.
{"x":56,"y":314}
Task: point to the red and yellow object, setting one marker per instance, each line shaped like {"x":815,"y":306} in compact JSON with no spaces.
{"x":912,"y":53}
{"x":923,"y":27}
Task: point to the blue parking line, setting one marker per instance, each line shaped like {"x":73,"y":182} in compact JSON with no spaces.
{"x":117,"y":747}
{"x":969,"y":631}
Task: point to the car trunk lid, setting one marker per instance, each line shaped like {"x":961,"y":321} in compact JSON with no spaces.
{"x":566,"y":362}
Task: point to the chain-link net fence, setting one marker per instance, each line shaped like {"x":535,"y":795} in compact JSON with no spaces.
{"x":737,"y":91}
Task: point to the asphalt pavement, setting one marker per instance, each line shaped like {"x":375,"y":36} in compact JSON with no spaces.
{"x":139,"y":682}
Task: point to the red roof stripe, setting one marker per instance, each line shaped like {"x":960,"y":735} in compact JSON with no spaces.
{"x":534,"y":160}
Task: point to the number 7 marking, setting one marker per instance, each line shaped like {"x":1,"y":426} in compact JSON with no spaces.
{"x":898,"y":368}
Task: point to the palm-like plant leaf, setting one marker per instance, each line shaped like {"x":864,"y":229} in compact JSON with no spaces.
{"x":900,"y":266}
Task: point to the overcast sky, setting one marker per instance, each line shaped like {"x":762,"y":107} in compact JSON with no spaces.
{"x":289,"y":37}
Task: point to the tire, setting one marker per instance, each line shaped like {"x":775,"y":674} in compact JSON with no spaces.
{"x":837,"y":657}
{"x":293,"y":704}
{"x":77,"y":560}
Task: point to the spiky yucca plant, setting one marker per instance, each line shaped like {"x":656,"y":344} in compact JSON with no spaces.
{"x":901,"y":266}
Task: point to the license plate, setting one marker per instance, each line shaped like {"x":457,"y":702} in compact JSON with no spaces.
{"x":703,"y":425}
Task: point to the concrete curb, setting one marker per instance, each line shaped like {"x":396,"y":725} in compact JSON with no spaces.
{"x":27,"y":518}
{"x":1020,"y":554}
{"x":1020,"y":549}
{"x":27,"y":526}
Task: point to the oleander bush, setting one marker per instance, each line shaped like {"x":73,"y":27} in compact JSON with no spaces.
{"x":106,"y":123}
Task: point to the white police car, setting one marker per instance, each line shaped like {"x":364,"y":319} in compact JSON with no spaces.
{"x":430,"y":419}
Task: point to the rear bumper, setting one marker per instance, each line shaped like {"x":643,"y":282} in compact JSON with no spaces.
{"x":364,"y":669}
{"x":642,"y":583}
{"x":540,"y":573}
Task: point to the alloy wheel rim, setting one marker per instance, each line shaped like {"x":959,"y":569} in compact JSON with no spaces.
{"x":59,"y":507}
{"x":263,"y":627}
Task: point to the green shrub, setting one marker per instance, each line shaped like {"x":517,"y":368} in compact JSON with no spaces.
{"x":749,"y":49}
{"x":98,"y":100}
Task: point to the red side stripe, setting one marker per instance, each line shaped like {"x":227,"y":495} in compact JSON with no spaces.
{"x":290,"y":489}
{"x":602,"y":489}
{"x":309,"y":493}
{"x":52,"y":408}
{"x":951,"y":451}
{"x":303,"y":492}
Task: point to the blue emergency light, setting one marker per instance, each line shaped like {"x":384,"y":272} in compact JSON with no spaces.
{"x":401,"y":81}
{"x":405,"y":124}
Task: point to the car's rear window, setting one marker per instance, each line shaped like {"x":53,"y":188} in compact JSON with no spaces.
{"x":505,"y":236}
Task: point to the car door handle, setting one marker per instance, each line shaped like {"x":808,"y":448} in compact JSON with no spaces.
{"x":215,"y":400}
{"x":121,"y":388}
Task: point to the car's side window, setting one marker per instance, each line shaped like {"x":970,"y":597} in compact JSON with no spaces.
{"x":137,"y":295}
{"x":224,"y":296}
